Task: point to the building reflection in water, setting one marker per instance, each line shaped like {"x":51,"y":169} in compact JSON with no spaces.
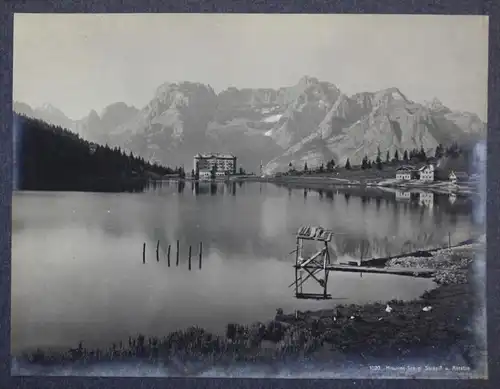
{"x":426,"y":199}
{"x":452,"y":198}
{"x":403,"y":195}
{"x":180,"y":186}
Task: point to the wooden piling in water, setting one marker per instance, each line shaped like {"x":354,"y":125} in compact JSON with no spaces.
{"x":449,"y":240}
{"x":168,"y":256}
{"x":177,"y":259}
{"x":200,"y":254}
{"x":158,"y":251}
{"x":144,"y":252}
{"x":189,"y":258}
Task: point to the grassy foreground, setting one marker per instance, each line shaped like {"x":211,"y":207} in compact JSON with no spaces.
{"x":341,"y":334}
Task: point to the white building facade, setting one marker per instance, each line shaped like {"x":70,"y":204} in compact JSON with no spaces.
{"x":426,"y":173}
{"x":223,"y":162}
{"x":405,"y":173}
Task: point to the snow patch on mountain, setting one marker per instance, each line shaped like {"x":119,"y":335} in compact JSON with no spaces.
{"x":273,"y":118}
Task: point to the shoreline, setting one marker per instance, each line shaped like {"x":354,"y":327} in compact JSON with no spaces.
{"x":325,"y":183}
{"x":344,"y":334}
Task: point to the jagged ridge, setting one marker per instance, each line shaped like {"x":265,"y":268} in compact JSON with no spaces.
{"x":312,"y":121}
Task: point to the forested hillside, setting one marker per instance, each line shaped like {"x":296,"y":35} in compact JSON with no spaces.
{"x":53,"y":158}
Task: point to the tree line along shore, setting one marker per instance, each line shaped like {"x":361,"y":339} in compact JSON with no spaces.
{"x":455,"y":157}
{"x":48,"y":157}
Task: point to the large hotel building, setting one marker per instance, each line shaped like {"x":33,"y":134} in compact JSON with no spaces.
{"x":225,"y":163}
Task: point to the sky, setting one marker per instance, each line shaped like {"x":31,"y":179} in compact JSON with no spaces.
{"x":79,"y":62}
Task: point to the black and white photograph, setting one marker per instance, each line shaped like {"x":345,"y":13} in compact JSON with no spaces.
{"x":249,"y":195}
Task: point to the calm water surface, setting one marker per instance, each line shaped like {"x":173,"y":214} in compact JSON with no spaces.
{"x":77,"y":271}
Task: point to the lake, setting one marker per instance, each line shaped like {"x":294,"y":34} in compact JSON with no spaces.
{"x":77,"y":271}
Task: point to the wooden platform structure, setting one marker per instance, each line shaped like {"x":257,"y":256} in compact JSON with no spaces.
{"x":401,"y":271}
{"x":318,"y":265}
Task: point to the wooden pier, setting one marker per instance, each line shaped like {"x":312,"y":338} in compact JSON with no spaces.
{"x":401,"y":271}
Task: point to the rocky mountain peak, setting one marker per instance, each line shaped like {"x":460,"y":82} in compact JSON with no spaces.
{"x":310,"y":121}
{"x":436,"y":105}
{"x":116,"y":109}
{"x":93,"y":115}
{"x":47,"y":107}
{"x":308,"y":81}
{"x":389,"y":95}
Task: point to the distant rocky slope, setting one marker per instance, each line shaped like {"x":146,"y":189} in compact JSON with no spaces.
{"x":312,"y":121}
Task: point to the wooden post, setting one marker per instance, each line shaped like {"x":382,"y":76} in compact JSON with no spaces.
{"x":177,"y":259}
{"x":189,"y":258}
{"x":168,"y":256}
{"x":325,"y":290}
{"x":297,"y":253}
{"x":158,"y":251}
{"x":144,"y":252}
{"x":200,"y":254}
{"x":449,"y":240}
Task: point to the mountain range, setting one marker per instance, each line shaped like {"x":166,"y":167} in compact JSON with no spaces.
{"x":312,"y":121}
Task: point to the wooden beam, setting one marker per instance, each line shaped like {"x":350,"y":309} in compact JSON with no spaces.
{"x":312,"y":258}
{"x":416,"y":272}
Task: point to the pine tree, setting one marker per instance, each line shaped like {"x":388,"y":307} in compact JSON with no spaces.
{"x":439,"y":151}
{"x":348,"y":164}
{"x":405,"y":156}
{"x":421,"y":154}
{"x":396,"y":155}
{"x":330,"y":165}
{"x":378,"y":161}
{"x":364,"y":163}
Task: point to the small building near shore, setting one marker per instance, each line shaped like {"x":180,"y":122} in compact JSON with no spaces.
{"x":426,"y":173}
{"x":405,"y":173}
{"x":456,"y":177}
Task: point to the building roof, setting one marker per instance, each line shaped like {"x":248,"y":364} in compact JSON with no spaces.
{"x":422,"y":168}
{"x":215,"y":155}
{"x":406,"y":168}
{"x":460,"y":174}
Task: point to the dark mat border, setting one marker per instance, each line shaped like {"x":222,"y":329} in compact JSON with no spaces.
{"x":7,"y":7}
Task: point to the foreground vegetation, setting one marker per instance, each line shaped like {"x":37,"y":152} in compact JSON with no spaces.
{"x":341,"y":334}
